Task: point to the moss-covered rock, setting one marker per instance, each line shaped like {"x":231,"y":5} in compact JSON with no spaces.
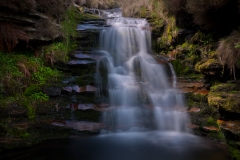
{"x":225,"y":97}
{"x":209,"y":67}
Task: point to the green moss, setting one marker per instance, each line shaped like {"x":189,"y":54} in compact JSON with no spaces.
{"x":225,"y":87}
{"x":34,"y":88}
{"x":179,"y":67}
{"x":202,"y":38}
{"x":217,"y":136}
{"x":143,"y":12}
{"x":212,"y":122}
{"x":200,"y":66}
{"x":225,"y":96}
{"x":234,"y":152}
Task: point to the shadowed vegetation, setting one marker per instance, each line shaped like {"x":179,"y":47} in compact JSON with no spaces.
{"x":10,"y":36}
{"x":229,"y":52}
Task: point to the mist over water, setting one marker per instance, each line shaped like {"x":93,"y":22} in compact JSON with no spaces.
{"x":146,"y":108}
{"x":140,"y":91}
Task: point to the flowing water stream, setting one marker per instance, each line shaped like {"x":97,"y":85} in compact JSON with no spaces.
{"x":140,"y":91}
{"x":146,"y":119}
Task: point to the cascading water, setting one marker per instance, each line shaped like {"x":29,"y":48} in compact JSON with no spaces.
{"x":140,"y":93}
{"x":141,"y":96}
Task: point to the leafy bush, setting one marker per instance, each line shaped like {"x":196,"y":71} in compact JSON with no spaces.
{"x":45,"y":75}
{"x":30,"y":102}
{"x":34,"y":88}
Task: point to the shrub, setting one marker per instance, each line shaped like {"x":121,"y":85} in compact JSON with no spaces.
{"x":10,"y":35}
{"x":229,"y":51}
{"x":34,"y":88}
{"x":46,"y":75}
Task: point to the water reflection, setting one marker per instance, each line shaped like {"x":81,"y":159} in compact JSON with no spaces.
{"x":124,"y":146}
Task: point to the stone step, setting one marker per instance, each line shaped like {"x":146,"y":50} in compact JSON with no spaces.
{"x":80,"y":63}
{"x":77,"y":89}
{"x":77,"y":106}
{"x":194,"y":110}
{"x":230,"y":126}
{"x":83,"y":55}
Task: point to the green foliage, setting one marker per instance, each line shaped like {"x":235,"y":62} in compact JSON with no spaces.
{"x":234,"y":152}
{"x":202,"y":38}
{"x":170,"y":32}
{"x":39,"y":96}
{"x":69,"y":24}
{"x":143,"y":11}
{"x":45,"y":75}
{"x":15,"y":132}
{"x":8,"y":65}
{"x":179,"y":67}
{"x":211,"y":121}
{"x":58,"y":51}
{"x":31,"y":101}
{"x":34,"y":88}
{"x":217,"y":136}
{"x":237,"y":46}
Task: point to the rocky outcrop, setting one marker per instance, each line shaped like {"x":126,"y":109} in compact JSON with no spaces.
{"x":28,"y":22}
{"x":210,"y":67}
{"x":225,"y":97}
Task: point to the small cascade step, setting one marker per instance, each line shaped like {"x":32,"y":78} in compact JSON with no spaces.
{"x":79,"y":63}
{"x":84,"y":107}
{"x":86,"y":55}
{"x":77,"y":89}
{"x":92,"y":25}
{"x":192,"y":87}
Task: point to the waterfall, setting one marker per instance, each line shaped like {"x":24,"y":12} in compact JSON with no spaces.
{"x":141,"y":96}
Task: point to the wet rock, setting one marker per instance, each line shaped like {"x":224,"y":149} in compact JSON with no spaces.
{"x":87,"y":56}
{"x":230,"y":126}
{"x":52,"y":91}
{"x":80,"y":62}
{"x":210,"y":128}
{"x":77,"y":89}
{"x":17,"y":111}
{"x":202,"y":92}
{"x":194,"y":110}
{"x":195,"y":85}
{"x":81,"y":106}
{"x":192,"y":126}
{"x":188,"y":90}
{"x":188,"y":85}
{"x":68,"y":89}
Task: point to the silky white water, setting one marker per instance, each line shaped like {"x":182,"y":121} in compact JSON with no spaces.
{"x":141,"y":94}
